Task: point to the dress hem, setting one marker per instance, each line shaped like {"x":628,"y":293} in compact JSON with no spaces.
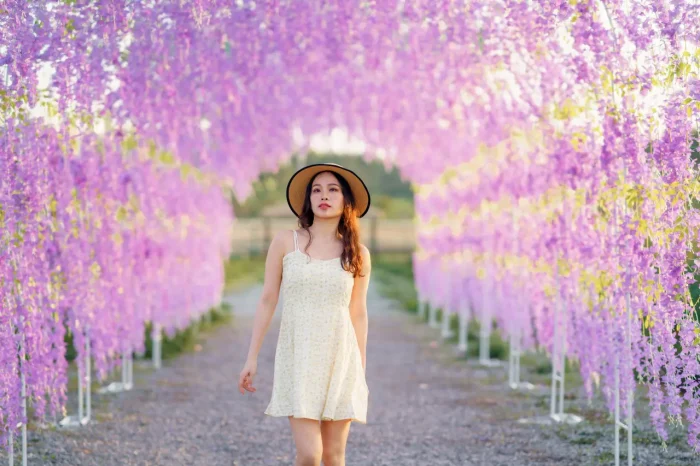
{"x":315,"y":418}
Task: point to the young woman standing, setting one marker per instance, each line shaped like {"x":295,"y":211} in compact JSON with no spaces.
{"x":323,"y":272}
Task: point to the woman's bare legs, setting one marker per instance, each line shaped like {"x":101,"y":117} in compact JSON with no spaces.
{"x":307,"y":438}
{"x":334,"y":435}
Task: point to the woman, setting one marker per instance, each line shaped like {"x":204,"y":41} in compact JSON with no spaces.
{"x":323,"y":271}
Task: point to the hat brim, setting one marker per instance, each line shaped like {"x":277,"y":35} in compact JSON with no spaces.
{"x":296,"y":188}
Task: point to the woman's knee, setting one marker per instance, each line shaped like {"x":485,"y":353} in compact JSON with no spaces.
{"x":333,"y":457}
{"x":308,"y":458}
{"x":308,"y":441}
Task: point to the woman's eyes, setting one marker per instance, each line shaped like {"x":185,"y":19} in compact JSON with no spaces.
{"x":316,"y":190}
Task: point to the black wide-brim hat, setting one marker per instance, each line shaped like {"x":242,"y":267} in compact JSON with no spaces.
{"x":296,"y":188}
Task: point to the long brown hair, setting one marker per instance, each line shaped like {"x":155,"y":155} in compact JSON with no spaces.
{"x":348,"y":226}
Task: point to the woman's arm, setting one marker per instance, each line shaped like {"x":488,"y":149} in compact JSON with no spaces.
{"x":358,"y":304}
{"x":270,"y":295}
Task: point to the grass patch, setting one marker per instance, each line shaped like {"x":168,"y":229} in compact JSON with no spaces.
{"x":606,"y":457}
{"x":243,"y":271}
{"x":399,"y":264}
{"x":396,"y":287}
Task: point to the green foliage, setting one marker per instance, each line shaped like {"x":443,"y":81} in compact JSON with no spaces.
{"x":695,"y":147}
{"x":242,"y":271}
{"x":71,"y":353}
{"x":399,"y":263}
{"x":395,"y":276}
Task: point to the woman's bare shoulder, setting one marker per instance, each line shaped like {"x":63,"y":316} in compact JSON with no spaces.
{"x":284,"y":240}
{"x":364,"y":251}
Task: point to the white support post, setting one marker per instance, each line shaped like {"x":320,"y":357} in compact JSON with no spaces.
{"x":557,"y":371}
{"x":157,"y":346}
{"x":88,"y":379}
{"x":127,"y":376}
{"x":23,"y":383}
{"x":430,"y":301}
{"x":84,"y":399}
{"x":618,"y":424}
{"x":11,"y":449}
{"x":463,"y":331}
{"x":514,"y":363}
{"x":628,"y":348}
{"x":24,"y":424}
{"x":432,"y":315}
{"x":446,"y":332}
{"x":559,"y":364}
{"x":516,"y":333}
{"x":485,"y":327}
{"x":422,"y":309}
{"x":463,"y":309}
{"x":557,"y":414}
{"x":485,"y":324}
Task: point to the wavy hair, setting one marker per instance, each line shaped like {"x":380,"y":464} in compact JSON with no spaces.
{"x":348,"y":226}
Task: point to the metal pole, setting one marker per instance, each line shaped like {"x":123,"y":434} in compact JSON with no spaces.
{"x":618,"y":424}
{"x":516,"y":334}
{"x":514,"y":364}
{"x":124,"y":368}
{"x":432,"y":318}
{"x":24,"y":422}
{"x":463,"y":331}
{"x":630,"y":394}
{"x":555,"y":352}
{"x":157,"y":342}
{"x":446,"y":333}
{"x":432,"y":311}
{"x":518,"y":383}
{"x":511,"y":361}
{"x":485,"y":331}
{"x":617,"y":409}
{"x":562,"y":357}
{"x":88,"y":378}
{"x":484,"y":335}
{"x":628,"y":347}
{"x":80,"y":395}
{"x":130,"y":374}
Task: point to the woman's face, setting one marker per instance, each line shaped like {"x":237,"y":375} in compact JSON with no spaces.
{"x":326,"y":196}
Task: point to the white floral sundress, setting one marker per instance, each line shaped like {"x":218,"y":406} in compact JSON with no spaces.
{"x":318,"y":370}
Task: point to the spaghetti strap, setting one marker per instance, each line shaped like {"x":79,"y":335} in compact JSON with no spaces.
{"x":296,"y":244}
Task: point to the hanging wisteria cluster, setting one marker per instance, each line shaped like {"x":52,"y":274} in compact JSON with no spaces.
{"x":525,"y":124}
{"x":588,"y":206}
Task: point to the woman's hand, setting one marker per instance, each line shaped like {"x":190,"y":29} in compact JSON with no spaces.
{"x":245,"y":379}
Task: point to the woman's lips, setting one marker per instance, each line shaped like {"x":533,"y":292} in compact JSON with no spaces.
{"x":324,"y":206}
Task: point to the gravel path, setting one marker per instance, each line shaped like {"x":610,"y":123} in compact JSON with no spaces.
{"x":426,"y":408}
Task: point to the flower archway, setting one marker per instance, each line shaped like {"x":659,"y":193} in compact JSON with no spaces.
{"x":550,"y":142}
